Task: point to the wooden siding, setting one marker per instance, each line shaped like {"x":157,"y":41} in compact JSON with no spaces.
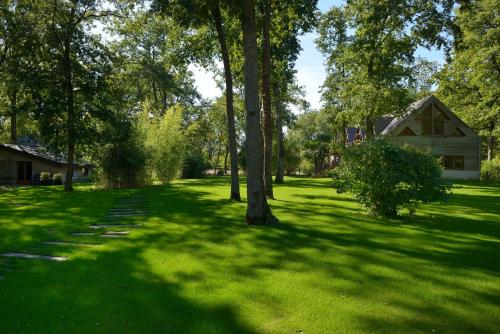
{"x":447,"y":144}
{"x":8,"y":167}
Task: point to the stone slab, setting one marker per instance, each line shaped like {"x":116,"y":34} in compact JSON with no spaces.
{"x":79,"y":234}
{"x":64,"y":243}
{"x":35,"y":256}
{"x":114,"y":225}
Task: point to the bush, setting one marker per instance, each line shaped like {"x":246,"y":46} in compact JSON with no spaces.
{"x":44,"y":178}
{"x":385,"y":178}
{"x":165,"y":142}
{"x":490,"y":170}
{"x":57,"y":178}
{"x":194,"y":166}
{"x":124,"y":163}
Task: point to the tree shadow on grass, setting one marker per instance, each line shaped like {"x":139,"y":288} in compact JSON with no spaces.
{"x":366,"y":260}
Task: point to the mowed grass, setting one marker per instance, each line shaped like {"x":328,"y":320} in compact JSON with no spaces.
{"x":195,"y":267}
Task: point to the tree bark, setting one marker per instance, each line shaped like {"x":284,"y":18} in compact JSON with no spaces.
{"x":258,"y":211}
{"x":13,"y":117}
{"x":225,"y":159}
{"x":369,"y":128}
{"x":280,"y":165}
{"x":70,"y":105}
{"x":231,"y":127}
{"x":266,"y":99}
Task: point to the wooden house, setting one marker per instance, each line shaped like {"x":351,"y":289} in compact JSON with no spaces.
{"x":430,"y":125}
{"x":22,"y":163}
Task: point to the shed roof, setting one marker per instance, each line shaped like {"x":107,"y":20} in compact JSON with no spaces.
{"x":41,"y":153}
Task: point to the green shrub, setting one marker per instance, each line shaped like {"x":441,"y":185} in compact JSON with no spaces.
{"x":385,"y":178}
{"x":124,"y":163}
{"x":165,"y":143}
{"x":57,"y":178}
{"x":490,"y":170}
{"x":44,"y":178}
{"x":194,"y":166}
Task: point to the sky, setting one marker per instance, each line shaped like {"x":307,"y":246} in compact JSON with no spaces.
{"x":310,"y":65}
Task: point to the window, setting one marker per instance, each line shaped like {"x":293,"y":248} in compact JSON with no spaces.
{"x":432,"y":121}
{"x":407,"y":132}
{"x":453,"y":162}
{"x":458,"y":133}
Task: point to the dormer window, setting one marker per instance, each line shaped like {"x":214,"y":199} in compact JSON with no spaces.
{"x":458,"y":133}
{"x":407,"y":132}
{"x":433,"y":121}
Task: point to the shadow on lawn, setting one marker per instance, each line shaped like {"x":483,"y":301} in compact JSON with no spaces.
{"x":108,"y":291}
{"x":458,"y":247}
{"x":117,"y":289}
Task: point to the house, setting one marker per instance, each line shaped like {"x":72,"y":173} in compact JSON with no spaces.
{"x":429,"y":124}
{"x":23,"y":162}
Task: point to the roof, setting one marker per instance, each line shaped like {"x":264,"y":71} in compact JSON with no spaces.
{"x":39,"y":152}
{"x":417,"y":105}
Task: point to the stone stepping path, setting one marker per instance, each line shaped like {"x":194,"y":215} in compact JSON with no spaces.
{"x":66,"y":243}
{"x":34,"y":256}
{"x":115,"y":234}
{"x":83,"y":234}
{"x":132,"y":206}
{"x":114,"y":226}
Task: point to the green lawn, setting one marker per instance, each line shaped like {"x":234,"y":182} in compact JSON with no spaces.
{"x":195,"y":267}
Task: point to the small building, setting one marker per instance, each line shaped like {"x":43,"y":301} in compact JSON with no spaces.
{"x":429,"y":124}
{"x":23,"y":162}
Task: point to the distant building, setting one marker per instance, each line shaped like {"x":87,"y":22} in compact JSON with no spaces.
{"x":429,"y":124}
{"x":23,"y":163}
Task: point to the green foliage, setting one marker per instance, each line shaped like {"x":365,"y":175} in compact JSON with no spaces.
{"x":490,"y":170}
{"x":370,"y":55}
{"x":194,"y":166}
{"x":386,"y":178}
{"x":164,"y":141}
{"x":45,"y":178}
{"x":123,"y":163}
{"x":57,"y":178}
{"x":470,"y":83}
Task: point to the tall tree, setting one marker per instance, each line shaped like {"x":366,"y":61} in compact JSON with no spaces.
{"x":289,"y":20}
{"x":228,"y":76}
{"x":196,"y":14}
{"x":470,"y":82}
{"x":75,"y":54}
{"x":19,"y":34}
{"x":258,"y":210}
{"x":371,"y":46}
{"x":266,"y":97}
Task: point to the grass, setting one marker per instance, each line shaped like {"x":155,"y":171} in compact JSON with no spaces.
{"x":195,"y":267}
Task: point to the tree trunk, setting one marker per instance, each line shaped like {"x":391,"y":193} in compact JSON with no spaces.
{"x":266,"y":99}
{"x":68,"y":78}
{"x":231,"y":127}
{"x":258,"y":211}
{"x":280,"y":165}
{"x":489,"y":146}
{"x":13,"y":116}
{"x":369,"y":128}
{"x":225,"y":159}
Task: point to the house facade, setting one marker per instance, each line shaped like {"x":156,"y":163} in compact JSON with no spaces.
{"x":428,"y":124}
{"x":23,"y":164}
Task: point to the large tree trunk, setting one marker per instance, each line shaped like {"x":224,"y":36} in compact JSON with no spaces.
{"x":13,"y":116}
{"x":266,"y":99}
{"x":70,"y":104}
{"x":258,"y":211}
{"x":369,"y":128}
{"x":231,"y":127}
{"x":280,"y":165}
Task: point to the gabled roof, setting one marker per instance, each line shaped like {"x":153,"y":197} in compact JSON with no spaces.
{"x":38,"y":152}
{"x":414,"y":107}
{"x":419,"y":106}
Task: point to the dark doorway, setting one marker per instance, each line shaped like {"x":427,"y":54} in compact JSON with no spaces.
{"x":24,"y":170}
